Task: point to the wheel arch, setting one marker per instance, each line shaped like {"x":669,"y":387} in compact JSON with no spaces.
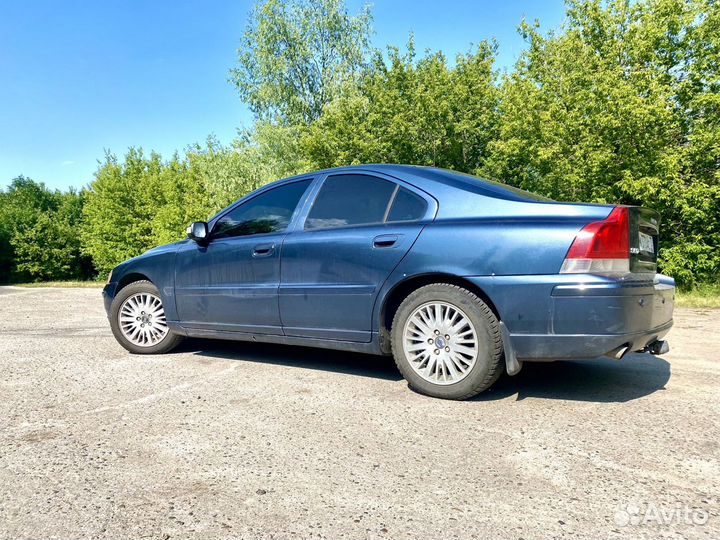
{"x":129,"y":278}
{"x":398,"y":293}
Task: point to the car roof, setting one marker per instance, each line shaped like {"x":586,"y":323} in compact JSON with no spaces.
{"x":459,"y":195}
{"x":435,"y":180}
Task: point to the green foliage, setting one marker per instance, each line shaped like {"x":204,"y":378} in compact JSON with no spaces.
{"x":701,"y":296}
{"x":405,"y":110}
{"x":143,"y":201}
{"x":122,"y":202}
{"x":50,"y":249}
{"x":39,"y":233}
{"x":295,"y":56}
{"x":63,"y":284}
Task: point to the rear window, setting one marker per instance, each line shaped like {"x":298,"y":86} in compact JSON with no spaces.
{"x":481,"y":186}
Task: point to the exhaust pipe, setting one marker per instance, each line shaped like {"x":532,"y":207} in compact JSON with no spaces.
{"x":620,"y":352}
{"x":657,"y":347}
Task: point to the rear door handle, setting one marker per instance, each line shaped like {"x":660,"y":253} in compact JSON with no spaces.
{"x":385,"y":240}
{"x":263,"y":250}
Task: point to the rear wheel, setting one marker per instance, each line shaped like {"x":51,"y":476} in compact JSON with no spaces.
{"x":446,"y":342}
{"x":138,"y":321}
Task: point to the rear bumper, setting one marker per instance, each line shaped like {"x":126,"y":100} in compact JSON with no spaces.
{"x":546,"y":347}
{"x":564,"y":316}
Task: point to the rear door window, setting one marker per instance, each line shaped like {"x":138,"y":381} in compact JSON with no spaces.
{"x":351,"y":199}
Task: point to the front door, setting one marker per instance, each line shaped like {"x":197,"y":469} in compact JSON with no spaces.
{"x":356,"y":233}
{"x":232,"y":283}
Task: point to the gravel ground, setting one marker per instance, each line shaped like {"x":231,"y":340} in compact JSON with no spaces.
{"x":246,"y":440}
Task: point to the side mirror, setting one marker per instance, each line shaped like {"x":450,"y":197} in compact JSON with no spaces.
{"x":198,"y":231}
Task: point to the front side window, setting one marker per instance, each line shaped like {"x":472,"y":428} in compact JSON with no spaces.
{"x":350,"y":199}
{"x":267,"y":213}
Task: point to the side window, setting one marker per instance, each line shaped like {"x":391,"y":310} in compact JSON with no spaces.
{"x":350,"y":199}
{"x":407,"y":206}
{"x":266,"y":213}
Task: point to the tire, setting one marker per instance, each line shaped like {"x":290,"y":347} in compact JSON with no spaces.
{"x":145,"y":302}
{"x":447,"y":368}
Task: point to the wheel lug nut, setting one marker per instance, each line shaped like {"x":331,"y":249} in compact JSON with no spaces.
{"x":138,"y":318}
{"x":447,"y":336}
{"x":142,"y":325}
{"x":437,"y":351}
{"x":447,"y":349}
{"x":431,"y":341}
{"x":437,"y":332}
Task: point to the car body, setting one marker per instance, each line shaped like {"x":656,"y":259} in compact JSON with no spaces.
{"x":333,"y":270}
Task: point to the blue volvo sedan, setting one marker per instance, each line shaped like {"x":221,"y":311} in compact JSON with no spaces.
{"x":457,"y":277}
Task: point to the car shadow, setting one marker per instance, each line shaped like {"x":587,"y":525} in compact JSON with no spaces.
{"x":347,"y":363}
{"x":601,"y":380}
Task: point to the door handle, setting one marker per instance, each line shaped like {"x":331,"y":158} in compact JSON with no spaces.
{"x":263,"y":250}
{"x":385,"y":240}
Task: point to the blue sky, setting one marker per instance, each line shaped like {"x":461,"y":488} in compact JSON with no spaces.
{"x":78,"y":77}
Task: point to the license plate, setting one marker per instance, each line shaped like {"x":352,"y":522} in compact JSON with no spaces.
{"x":646,"y":243}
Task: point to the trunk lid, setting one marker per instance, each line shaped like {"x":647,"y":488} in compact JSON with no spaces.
{"x":644,"y":231}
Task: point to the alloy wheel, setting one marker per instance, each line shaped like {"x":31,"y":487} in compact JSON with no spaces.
{"x":142,"y":320}
{"x":440,"y":343}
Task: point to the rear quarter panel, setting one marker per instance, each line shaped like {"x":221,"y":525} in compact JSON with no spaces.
{"x":492,"y":247}
{"x":513,"y":253}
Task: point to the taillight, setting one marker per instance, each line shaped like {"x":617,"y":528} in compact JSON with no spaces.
{"x":601,"y":246}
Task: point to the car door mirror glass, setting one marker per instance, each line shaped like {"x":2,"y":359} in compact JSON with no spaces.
{"x":198,"y":231}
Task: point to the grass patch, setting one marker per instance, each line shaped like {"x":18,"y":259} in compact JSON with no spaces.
{"x":702,"y":296}
{"x":61,"y":284}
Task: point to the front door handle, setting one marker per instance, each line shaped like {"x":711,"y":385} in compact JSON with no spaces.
{"x":385,"y":240}
{"x":263,"y":250}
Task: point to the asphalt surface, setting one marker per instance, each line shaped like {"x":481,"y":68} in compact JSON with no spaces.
{"x":246,"y":440}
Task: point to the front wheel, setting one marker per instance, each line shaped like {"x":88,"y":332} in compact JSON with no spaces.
{"x":137,"y":319}
{"x":446,"y":342}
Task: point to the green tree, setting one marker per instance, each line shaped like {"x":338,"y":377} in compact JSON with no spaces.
{"x":142,"y":202}
{"x":39,"y":233}
{"x":50,"y":248}
{"x":295,"y":56}
{"x":122,"y":202}
{"x":207,"y":179}
{"x":20,"y":206}
{"x":405,"y":110}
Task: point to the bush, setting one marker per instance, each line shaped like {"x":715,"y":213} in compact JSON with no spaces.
{"x":39,"y":234}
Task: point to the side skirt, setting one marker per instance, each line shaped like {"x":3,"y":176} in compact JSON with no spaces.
{"x":373,"y":347}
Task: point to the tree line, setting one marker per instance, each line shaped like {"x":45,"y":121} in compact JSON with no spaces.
{"x":621,"y":104}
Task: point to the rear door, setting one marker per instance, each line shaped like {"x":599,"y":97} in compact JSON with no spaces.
{"x":356,"y":232}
